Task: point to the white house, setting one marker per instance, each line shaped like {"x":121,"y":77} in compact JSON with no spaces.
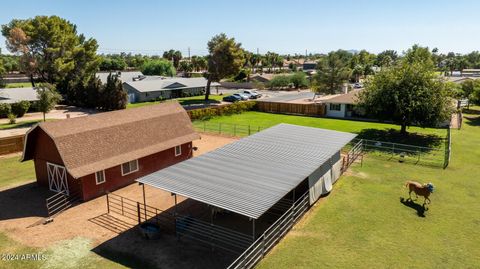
{"x":342,"y":106}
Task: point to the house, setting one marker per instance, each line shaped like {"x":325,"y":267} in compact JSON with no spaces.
{"x":264,"y":78}
{"x":167,"y":88}
{"x":342,"y":106}
{"x":124,"y":76}
{"x":88,"y":156}
{"x":13,"y":95}
{"x":309,"y":66}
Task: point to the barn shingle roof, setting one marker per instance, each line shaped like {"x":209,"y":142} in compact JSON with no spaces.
{"x":94,"y":143}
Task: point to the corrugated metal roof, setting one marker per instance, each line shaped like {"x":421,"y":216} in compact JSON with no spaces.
{"x":250,"y":175}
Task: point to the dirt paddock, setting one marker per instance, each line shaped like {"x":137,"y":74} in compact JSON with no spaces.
{"x":24,"y":205}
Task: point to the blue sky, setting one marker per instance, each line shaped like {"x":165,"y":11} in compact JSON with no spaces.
{"x":283,"y":26}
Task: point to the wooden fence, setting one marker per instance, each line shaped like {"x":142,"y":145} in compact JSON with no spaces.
{"x":11,"y":144}
{"x":317,"y":110}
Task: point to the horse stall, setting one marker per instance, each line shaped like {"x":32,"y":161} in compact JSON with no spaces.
{"x":232,"y":196}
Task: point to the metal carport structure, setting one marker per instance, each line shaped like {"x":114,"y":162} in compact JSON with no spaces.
{"x":251,"y":175}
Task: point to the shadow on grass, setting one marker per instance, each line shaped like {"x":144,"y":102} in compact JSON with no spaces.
{"x":473,"y":121}
{"x":471,"y":111}
{"x":394,"y":136}
{"x":410,"y":203}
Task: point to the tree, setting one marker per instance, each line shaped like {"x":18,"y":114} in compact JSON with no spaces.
{"x":186,"y":67}
{"x":279,"y":81}
{"x":158,"y":67}
{"x":225,"y":59}
{"x":333,"y":71}
{"x":48,"y":98}
{"x":113,"y":95}
{"x":386,"y":58}
{"x":174,"y":55}
{"x":199,"y":63}
{"x":299,"y":80}
{"x":2,"y":73}
{"x":52,"y":50}
{"x":408,"y":93}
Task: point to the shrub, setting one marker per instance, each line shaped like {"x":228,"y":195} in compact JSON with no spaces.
{"x":5,"y":109}
{"x":278,"y":82}
{"x":11,"y":118}
{"x":208,"y":113}
{"x":20,"y":108}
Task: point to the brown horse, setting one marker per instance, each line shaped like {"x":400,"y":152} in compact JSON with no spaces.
{"x":420,"y":189}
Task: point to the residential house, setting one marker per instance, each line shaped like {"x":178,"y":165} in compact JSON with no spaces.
{"x":167,"y":88}
{"x":343,"y":105}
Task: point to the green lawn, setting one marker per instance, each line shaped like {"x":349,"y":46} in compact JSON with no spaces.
{"x":364,"y":224}
{"x":19,"y":85}
{"x":14,"y":172}
{"x":183,"y":101}
{"x":20,"y":124}
{"x":368,"y":130}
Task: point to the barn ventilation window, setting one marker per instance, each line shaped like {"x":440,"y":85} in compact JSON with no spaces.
{"x":178,"y":150}
{"x":129,"y":167}
{"x":336,"y":107}
{"x":100,"y":177}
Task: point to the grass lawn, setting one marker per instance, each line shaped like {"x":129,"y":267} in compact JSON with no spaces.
{"x":369,"y":130}
{"x":19,"y":85}
{"x":364,"y":224}
{"x":14,"y":172}
{"x":183,"y":101}
{"x":20,"y":124}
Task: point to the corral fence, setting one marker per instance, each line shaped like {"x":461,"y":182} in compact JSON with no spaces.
{"x":250,"y":257}
{"x":11,"y":144}
{"x":428,"y":156}
{"x":353,"y":154}
{"x":437,"y":156}
{"x":183,"y":226}
{"x":60,"y":202}
{"x":226,"y":128}
{"x":317,"y":109}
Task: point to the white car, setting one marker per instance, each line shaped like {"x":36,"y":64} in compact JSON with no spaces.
{"x":253,"y":94}
{"x":242,"y":96}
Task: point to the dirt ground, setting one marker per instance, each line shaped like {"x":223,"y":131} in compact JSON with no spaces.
{"x":23,"y":206}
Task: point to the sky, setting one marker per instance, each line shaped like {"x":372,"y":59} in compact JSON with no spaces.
{"x":286,"y":27}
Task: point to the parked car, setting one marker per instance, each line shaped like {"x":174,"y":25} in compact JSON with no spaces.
{"x":358,"y":85}
{"x":253,"y":94}
{"x":242,"y":96}
{"x":232,"y":98}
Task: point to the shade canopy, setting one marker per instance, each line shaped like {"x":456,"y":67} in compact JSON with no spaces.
{"x":252,"y":174}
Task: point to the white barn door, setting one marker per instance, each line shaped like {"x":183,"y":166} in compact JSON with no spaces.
{"x":57,"y":178}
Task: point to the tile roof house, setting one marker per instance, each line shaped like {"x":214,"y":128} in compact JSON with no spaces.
{"x":91,"y":155}
{"x":166,"y":88}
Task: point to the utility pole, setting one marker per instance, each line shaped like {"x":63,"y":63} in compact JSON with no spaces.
{"x":189,"y":59}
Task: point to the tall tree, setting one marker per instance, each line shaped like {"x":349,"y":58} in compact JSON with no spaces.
{"x":113,"y":95}
{"x":186,"y":67}
{"x":2,"y":73}
{"x":158,"y":67}
{"x":225,"y":58}
{"x":408,"y":93}
{"x":386,"y":58}
{"x":52,"y":50}
{"x":332,"y":72}
{"x":173,"y":55}
{"x":48,"y":98}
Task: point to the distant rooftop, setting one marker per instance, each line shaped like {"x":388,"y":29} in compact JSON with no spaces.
{"x":13,"y":95}
{"x":151,"y":85}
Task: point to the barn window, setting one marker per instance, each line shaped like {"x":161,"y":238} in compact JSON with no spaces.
{"x":129,"y":167}
{"x":100,"y":177}
{"x":336,"y":107}
{"x":178,"y":150}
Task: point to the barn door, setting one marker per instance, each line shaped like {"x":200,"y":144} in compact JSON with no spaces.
{"x":57,"y":178}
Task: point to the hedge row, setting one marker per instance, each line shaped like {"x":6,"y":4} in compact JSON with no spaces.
{"x":208,"y":113}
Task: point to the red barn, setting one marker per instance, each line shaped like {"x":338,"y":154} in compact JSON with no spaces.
{"x":90,"y":155}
